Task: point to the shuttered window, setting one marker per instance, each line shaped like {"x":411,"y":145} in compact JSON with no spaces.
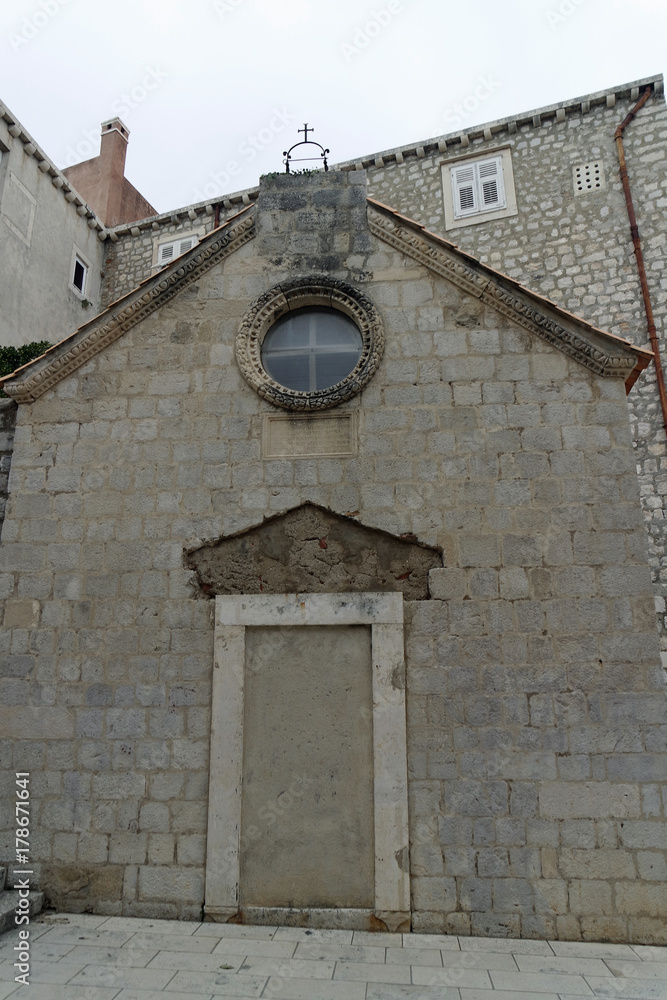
{"x":478,"y":187}
{"x":170,"y":251}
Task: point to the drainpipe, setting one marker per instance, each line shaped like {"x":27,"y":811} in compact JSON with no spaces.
{"x":634,"y":232}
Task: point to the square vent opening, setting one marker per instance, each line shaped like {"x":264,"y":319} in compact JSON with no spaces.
{"x":588,"y":177}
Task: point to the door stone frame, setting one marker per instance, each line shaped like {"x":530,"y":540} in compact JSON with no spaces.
{"x":384,"y":614}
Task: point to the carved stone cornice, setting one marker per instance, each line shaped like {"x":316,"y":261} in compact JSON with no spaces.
{"x":120,"y":317}
{"x":516,"y":303}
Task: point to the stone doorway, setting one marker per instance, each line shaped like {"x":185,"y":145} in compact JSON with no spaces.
{"x":309,"y":702}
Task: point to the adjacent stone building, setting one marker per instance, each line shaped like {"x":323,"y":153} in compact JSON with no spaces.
{"x":402,"y":619}
{"x":51,"y":249}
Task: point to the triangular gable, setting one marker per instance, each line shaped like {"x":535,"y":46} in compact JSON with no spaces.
{"x":601,"y":352}
{"x":32,"y":380}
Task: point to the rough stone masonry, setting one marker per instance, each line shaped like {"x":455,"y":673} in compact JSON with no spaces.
{"x":535,"y":696}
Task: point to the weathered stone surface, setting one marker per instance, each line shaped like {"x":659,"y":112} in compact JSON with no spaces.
{"x":311,"y":550}
{"x":79,"y":888}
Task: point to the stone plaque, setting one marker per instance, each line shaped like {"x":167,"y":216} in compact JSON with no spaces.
{"x":304,"y":435}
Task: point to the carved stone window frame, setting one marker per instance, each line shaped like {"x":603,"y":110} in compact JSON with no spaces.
{"x":311,"y":290}
{"x":384,"y":613}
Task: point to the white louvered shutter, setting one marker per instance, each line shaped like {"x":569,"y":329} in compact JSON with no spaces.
{"x":186,"y":244}
{"x":491,"y":183}
{"x":478,"y":187}
{"x":169,"y":251}
{"x":166,"y":253}
{"x":463,"y":183}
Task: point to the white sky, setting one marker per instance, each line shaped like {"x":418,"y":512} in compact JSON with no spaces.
{"x":213,"y":91}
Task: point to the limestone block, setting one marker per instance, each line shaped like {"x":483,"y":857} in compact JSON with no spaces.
{"x":168,"y":883}
{"x":573,"y":800}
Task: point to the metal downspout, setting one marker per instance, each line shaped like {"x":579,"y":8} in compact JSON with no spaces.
{"x":634,"y":232}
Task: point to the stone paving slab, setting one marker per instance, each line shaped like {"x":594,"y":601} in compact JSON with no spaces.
{"x":159,"y":995}
{"x":453,"y":978}
{"x":629,"y":989}
{"x":44,"y":972}
{"x":541,"y":982}
{"x":171,"y":942}
{"x":567,"y":966}
{"x":240,"y":931}
{"x":590,"y":949}
{"x":127,"y":956}
{"x":373,"y":972}
{"x":79,"y":957}
{"x":197,"y":962}
{"x":413,"y":956}
{"x":467,"y":994}
{"x":219,"y":983}
{"x":637,"y":970}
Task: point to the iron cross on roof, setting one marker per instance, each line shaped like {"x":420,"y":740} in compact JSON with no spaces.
{"x":305,"y":142}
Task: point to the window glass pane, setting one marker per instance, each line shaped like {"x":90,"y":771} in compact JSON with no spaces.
{"x":332,"y":368}
{"x":290,"y":370}
{"x":79,"y":275}
{"x":311,"y":348}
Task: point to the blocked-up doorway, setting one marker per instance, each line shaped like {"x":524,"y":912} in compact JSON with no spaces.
{"x":308,"y":817}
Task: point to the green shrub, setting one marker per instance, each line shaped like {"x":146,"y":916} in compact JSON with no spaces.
{"x":12,"y":358}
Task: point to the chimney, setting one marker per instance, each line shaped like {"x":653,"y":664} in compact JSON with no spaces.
{"x":113,"y":150}
{"x":102,"y":182}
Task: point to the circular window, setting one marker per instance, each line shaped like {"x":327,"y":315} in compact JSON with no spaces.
{"x":311,"y":349}
{"x":310,"y":343}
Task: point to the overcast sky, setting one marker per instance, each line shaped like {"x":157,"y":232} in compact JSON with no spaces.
{"x":213,"y":91}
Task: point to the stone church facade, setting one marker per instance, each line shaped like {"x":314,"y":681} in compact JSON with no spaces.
{"x":376,"y":654}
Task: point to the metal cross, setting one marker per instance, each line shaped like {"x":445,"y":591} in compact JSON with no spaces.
{"x":305,"y":130}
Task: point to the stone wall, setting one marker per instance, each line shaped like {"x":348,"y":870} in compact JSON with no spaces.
{"x":130,"y":253}
{"x":536,"y":707}
{"x":575,"y":249}
{"x":7,"y":422}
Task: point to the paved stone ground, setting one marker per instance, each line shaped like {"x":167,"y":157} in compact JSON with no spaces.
{"x":82,"y":957}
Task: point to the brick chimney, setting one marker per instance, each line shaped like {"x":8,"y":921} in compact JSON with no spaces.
{"x":102,"y":182}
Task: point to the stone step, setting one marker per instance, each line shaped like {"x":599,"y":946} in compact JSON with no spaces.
{"x":9,"y":901}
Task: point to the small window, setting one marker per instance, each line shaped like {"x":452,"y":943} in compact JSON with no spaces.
{"x":170,"y":251}
{"x":80,"y":274}
{"x":478,"y":187}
